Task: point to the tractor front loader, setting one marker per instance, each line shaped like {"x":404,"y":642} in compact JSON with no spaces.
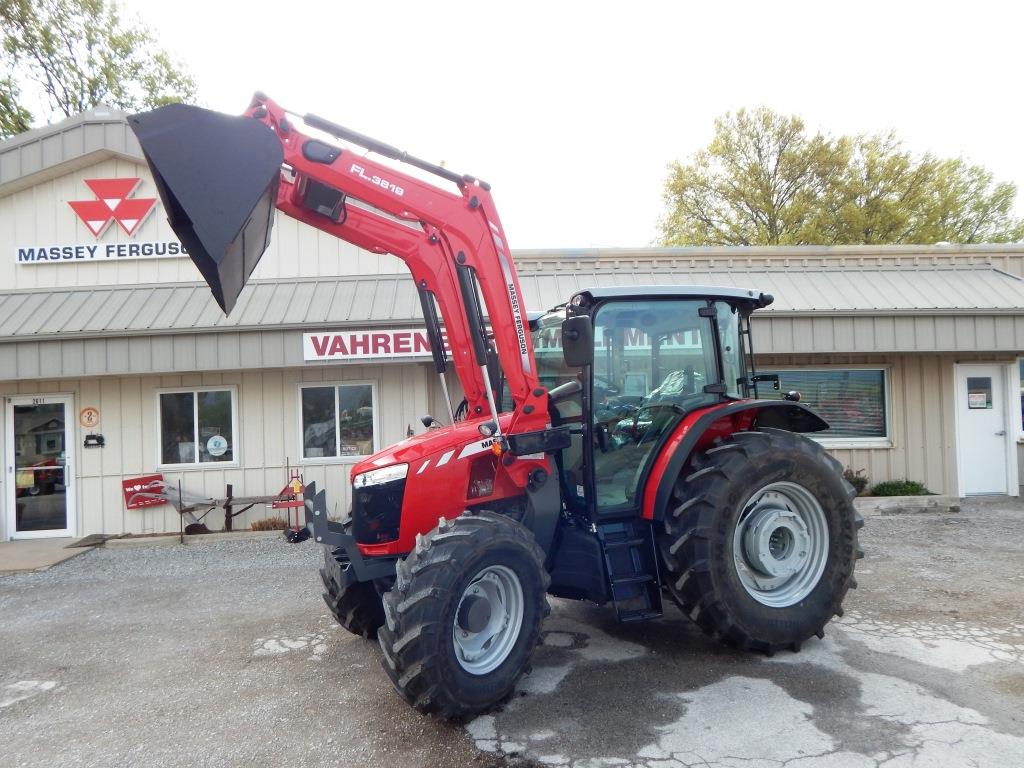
{"x":612,"y":449}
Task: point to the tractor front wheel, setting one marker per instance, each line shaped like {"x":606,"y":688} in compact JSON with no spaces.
{"x":760,"y":540}
{"x":464,"y":615}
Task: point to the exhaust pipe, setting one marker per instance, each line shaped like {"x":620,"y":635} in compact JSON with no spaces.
{"x":217,"y":176}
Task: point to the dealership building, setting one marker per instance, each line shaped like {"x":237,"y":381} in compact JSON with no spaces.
{"x":116,"y":363}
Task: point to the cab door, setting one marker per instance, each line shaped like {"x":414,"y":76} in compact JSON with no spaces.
{"x":655,"y":360}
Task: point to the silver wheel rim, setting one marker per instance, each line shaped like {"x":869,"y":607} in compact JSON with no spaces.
{"x":482,"y":644}
{"x":780,"y":544}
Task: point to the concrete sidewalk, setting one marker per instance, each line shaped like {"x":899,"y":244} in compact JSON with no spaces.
{"x":36,"y":554}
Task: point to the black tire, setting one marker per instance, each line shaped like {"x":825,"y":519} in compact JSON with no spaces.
{"x":356,"y":605}
{"x":417,"y":640}
{"x":696,"y":544}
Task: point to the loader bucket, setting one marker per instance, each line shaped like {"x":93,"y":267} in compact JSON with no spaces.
{"x":217,"y":176}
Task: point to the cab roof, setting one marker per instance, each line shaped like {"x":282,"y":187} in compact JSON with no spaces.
{"x":750,"y":295}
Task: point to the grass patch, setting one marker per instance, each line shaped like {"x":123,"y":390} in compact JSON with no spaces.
{"x":900,"y":488}
{"x":269,"y":524}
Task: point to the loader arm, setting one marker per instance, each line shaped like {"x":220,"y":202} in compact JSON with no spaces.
{"x":448,"y":231}
{"x":451,"y":241}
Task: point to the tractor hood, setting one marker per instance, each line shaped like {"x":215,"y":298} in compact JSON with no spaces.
{"x":455,"y":442}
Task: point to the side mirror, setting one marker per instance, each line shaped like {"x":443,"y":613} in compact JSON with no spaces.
{"x":578,"y":341}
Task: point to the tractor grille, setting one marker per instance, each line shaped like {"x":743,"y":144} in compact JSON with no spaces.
{"x":377,"y":512}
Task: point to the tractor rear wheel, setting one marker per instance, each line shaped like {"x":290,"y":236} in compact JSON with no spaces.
{"x":464,"y":615}
{"x":760,"y":540}
{"x":355,"y":604}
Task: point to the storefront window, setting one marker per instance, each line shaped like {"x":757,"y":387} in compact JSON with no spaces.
{"x":197,"y":426}
{"x":852,"y":401}
{"x":337,"y":421}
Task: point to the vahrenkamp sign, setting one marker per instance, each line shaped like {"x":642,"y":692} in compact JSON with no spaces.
{"x":113,"y":202}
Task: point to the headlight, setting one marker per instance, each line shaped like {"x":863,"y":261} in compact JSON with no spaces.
{"x":381,"y":476}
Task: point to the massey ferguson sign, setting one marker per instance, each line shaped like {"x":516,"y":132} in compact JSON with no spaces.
{"x":112,"y":201}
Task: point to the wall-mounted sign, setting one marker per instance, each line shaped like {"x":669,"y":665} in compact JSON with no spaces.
{"x":112,"y":202}
{"x":78,"y":253}
{"x":137,"y":491}
{"x":412,"y":343}
{"x":365,"y":345}
{"x":89,"y":417}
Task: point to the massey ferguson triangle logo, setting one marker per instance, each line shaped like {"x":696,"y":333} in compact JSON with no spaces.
{"x":113,"y":204}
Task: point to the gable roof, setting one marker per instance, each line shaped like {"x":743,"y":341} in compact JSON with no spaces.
{"x":54,"y":150}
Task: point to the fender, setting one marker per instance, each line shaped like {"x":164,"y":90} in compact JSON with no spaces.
{"x":701,"y":428}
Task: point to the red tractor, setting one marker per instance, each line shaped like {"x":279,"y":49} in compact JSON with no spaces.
{"x":611,"y":450}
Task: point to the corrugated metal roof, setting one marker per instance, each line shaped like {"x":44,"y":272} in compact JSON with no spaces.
{"x":971,"y":289}
{"x":391,"y":299}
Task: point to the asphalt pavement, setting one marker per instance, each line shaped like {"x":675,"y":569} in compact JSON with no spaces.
{"x":223,"y":654}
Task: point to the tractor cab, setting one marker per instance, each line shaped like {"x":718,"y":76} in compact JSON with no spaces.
{"x":624,"y":367}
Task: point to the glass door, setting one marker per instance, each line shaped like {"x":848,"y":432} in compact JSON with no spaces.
{"x":653,"y":362}
{"x":40,"y":479}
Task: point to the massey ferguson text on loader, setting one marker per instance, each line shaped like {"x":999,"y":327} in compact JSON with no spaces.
{"x":611,"y":450}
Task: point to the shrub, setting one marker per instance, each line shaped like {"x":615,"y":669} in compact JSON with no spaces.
{"x":900,"y":488}
{"x":857,"y":479}
{"x":269,"y":524}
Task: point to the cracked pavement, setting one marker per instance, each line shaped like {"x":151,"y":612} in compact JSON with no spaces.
{"x":223,"y":653}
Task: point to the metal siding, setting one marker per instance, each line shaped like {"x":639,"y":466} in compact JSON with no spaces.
{"x":272,"y":349}
{"x":31,"y":158}
{"x":184,"y":354}
{"x":920,"y":417}
{"x":28,"y":361}
{"x":1020,"y":467}
{"x":161,"y":354}
{"x":140,"y":355}
{"x":207,"y":357}
{"x":94,"y":353}
{"x":72,"y":359}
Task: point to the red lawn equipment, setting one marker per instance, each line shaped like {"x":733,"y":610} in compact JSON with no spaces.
{"x":612,"y":449}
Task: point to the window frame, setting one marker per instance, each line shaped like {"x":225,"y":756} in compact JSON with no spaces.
{"x":885,"y":441}
{"x":326,"y":460}
{"x":236,"y":428}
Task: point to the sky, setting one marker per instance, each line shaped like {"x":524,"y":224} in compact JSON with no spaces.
{"x":573,"y":110}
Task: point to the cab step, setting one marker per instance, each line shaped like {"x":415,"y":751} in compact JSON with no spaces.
{"x":631,"y":564}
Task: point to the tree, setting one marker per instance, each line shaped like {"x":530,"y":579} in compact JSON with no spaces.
{"x":66,"y":56}
{"x":765,"y":180}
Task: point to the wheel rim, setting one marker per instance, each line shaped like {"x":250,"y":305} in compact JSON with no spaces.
{"x":780,"y":544}
{"x":488,"y":619}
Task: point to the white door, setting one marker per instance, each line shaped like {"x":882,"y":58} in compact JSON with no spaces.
{"x":38,"y":451}
{"x":982,"y":441}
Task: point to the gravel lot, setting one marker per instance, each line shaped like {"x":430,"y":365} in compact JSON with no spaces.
{"x":223,"y":654}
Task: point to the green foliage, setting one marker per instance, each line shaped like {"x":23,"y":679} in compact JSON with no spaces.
{"x":765,"y":180}
{"x":857,"y":479}
{"x":66,"y":56}
{"x":13,"y":117}
{"x":269,"y":524}
{"x":900,"y":488}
